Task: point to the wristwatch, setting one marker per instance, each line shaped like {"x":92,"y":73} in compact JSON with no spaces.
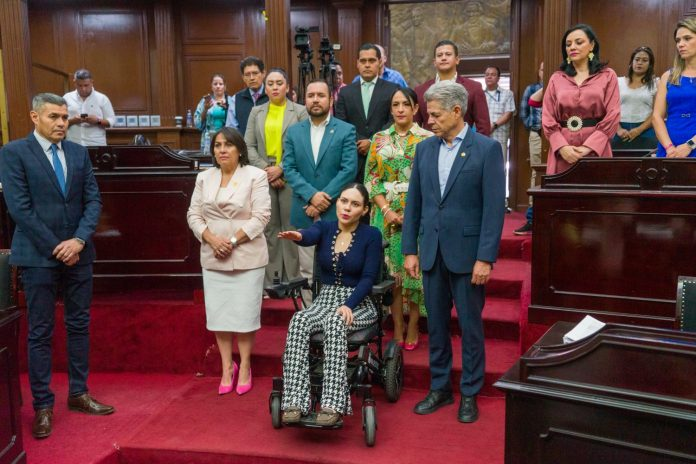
{"x":691,"y":143}
{"x":233,"y":240}
{"x":79,"y":240}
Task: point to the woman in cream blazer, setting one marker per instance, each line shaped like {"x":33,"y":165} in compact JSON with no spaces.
{"x":230,"y":208}
{"x":265,"y":135}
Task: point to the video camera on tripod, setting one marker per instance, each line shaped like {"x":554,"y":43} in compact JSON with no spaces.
{"x":306,"y":69}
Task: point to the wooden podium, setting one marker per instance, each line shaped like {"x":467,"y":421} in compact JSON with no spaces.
{"x":624,"y":395}
{"x":611,"y":236}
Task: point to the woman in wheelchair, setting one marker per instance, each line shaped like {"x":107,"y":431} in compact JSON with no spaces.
{"x":349,"y":255}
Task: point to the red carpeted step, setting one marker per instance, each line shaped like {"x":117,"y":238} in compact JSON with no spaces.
{"x":84,"y":439}
{"x":201,"y":427}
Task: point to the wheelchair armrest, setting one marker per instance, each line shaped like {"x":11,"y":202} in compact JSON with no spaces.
{"x":287,"y":289}
{"x":383,"y":287}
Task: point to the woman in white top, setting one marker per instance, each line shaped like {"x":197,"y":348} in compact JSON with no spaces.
{"x":637,"y":98}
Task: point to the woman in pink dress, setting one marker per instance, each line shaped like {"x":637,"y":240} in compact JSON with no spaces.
{"x":582,"y":107}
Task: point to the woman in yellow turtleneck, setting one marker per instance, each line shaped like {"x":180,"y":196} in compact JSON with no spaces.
{"x":264,"y":136}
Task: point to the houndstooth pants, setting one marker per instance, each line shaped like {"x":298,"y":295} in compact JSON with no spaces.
{"x":321,"y":316}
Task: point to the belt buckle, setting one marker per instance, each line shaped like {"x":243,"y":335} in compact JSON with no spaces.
{"x":574,"y":123}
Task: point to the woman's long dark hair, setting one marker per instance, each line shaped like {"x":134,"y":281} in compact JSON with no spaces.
{"x":594,"y":64}
{"x":649,"y":77}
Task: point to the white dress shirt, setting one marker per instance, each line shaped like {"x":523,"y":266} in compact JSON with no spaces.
{"x":97,"y":104}
{"x":46,"y":147}
{"x":316,"y":134}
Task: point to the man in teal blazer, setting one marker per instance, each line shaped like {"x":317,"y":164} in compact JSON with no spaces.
{"x":319,"y":158}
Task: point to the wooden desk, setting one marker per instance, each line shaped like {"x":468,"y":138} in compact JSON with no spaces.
{"x":185,"y":138}
{"x":611,"y":236}
{"x":142,"y":239}
{"x":625,"y":395}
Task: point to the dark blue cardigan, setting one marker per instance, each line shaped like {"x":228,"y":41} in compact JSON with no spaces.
{"x":360,"y":265}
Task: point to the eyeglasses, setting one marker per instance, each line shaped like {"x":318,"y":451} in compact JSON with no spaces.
{"x":251,"y":74}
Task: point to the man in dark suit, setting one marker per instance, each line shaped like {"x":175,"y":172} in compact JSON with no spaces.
{"x":366,"y":104}
{"x":52,"y":196}
{"x":319,"y":158}
{"x":453,"y":221}
{"x":446,"y":59}
{"x":252,"y":95}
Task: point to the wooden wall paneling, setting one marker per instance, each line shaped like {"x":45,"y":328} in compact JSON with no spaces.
{"x":46,"y":52}
{"x":16,"y":62}
{"x":118,"y":36}
{"x":619,"y":36}
{"x":350,"y":34}
{"x":166,"y":102}
{"x":278,"y":34}
{"x":525,"y":56}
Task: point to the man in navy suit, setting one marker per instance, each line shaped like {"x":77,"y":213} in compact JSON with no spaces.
{"x":319,"y":158}
{"x":366,"y":104}
{"x":451,"y":231}
{"x":52,"y":196}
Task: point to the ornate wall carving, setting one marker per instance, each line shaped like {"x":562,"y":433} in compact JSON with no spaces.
{"x":477,"y":27}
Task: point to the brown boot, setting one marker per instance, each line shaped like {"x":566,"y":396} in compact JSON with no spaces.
{"x":88,"y":405}
{"x":43,"y":423}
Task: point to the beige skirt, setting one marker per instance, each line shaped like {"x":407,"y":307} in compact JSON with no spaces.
{"x":233,"y":299}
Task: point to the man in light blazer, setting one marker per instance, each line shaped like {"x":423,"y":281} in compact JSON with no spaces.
{"x":283,"y":254}
{"x":53,"y":198}
{"x":451,"y":231}
{"x":350,"y":106}
{"x":319,"y":158}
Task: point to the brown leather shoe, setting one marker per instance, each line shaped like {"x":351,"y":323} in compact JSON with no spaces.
{"x":43,"y":421}
{"x":88,"y":405}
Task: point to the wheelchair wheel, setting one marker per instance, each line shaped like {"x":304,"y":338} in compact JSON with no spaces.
{"x":369,"y":416}
{"x":394,"y":376}
{"x":276,"y":412}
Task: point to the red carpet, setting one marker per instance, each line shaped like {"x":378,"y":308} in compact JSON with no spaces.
{"x":140,"y":340}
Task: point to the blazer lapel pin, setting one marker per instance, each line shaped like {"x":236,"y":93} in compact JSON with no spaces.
{"x":462,"y":154}
{"x":331,"y":131}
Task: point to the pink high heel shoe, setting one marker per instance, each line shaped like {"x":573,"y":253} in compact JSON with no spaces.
{"x":242,"y":389}
{"x":225,"y":389}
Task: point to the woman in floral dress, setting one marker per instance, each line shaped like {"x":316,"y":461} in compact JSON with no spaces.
{"x":386,"y":177}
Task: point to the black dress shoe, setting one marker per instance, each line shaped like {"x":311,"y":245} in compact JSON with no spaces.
{"x":42,"y":425}
{"x":434,"y":401}
{"x":468,"y":410}
{"x":88,"y":405}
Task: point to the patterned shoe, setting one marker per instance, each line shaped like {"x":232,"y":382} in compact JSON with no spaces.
{"x":327,"y":417}
{"x":291,"y":415}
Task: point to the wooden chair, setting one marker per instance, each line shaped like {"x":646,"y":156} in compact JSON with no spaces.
{"x":686,"y":303}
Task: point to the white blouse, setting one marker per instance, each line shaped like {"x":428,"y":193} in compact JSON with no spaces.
{"x":636,"y":104}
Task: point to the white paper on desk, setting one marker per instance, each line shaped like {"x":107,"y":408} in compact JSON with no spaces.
{"x":588,"y":326}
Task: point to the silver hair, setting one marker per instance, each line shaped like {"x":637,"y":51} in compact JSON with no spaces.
{"x":82,"y":74}
{"x":449,"y":94}
{"x":41,"y":99}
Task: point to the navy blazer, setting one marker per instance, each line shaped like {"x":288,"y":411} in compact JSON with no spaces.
{"x":467,"y":220}
{"x":43,"y":216}
{"x":335,"y":167}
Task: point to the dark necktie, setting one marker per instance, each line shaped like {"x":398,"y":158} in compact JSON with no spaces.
{"x":58,"y":168}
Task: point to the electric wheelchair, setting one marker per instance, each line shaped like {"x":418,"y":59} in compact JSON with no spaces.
{"x":368,"y":363}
